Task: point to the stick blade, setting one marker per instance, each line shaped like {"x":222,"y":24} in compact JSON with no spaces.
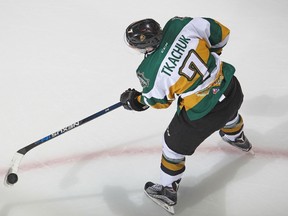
{"x":11,"y":176}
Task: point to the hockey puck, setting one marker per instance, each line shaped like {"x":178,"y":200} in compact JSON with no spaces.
{"x":12,"y":178}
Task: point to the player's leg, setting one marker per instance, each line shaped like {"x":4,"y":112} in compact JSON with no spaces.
{"x":172,"y":169}
{"x":233,"y":133}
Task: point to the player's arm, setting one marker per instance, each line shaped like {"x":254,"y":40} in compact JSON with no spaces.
{"x":213,"y":32}
{"x":156,"y":103}
{"x":219,"y":35}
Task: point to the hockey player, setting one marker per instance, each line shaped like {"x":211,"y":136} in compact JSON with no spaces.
{"x":181,"y":61}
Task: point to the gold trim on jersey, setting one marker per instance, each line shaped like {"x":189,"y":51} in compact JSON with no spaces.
{"x":224,"y":29}
{"x":183,"y":83}
{"x":192,"y":100}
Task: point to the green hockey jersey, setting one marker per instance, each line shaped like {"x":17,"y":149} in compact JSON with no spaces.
{"x":186,"y":66}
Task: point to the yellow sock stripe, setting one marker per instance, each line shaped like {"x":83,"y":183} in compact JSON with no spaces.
{"x":172,"y":166}
{"x":238,"y":127}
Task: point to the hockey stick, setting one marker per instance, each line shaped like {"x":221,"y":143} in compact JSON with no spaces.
{"x":12,"y":177}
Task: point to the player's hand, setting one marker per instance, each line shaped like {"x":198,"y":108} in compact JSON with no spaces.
{"x":130,"y":102}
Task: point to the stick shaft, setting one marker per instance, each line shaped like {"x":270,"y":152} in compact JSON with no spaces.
{"x":27,"y":148}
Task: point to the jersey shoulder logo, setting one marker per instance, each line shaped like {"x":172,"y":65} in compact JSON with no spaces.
{"x":143,"y":80}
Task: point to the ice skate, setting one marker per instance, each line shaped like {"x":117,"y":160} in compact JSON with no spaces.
{"x":166,"y":197}
{"x":240,"y":142}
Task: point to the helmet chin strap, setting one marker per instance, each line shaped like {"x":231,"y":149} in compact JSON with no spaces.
{"x":145,"y":51}
{"x":149,"y":50}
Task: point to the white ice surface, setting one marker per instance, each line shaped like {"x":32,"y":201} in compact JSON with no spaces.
{"x":63,"y":60}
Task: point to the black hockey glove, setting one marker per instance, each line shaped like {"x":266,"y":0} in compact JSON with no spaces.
{"x":130,"y":102}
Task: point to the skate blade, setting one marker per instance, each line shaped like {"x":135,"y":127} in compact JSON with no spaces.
{"x":165,"y":206}
{"x":251,"y":152}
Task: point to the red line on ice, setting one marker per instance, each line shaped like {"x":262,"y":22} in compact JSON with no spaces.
{"x":117,"y":152}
